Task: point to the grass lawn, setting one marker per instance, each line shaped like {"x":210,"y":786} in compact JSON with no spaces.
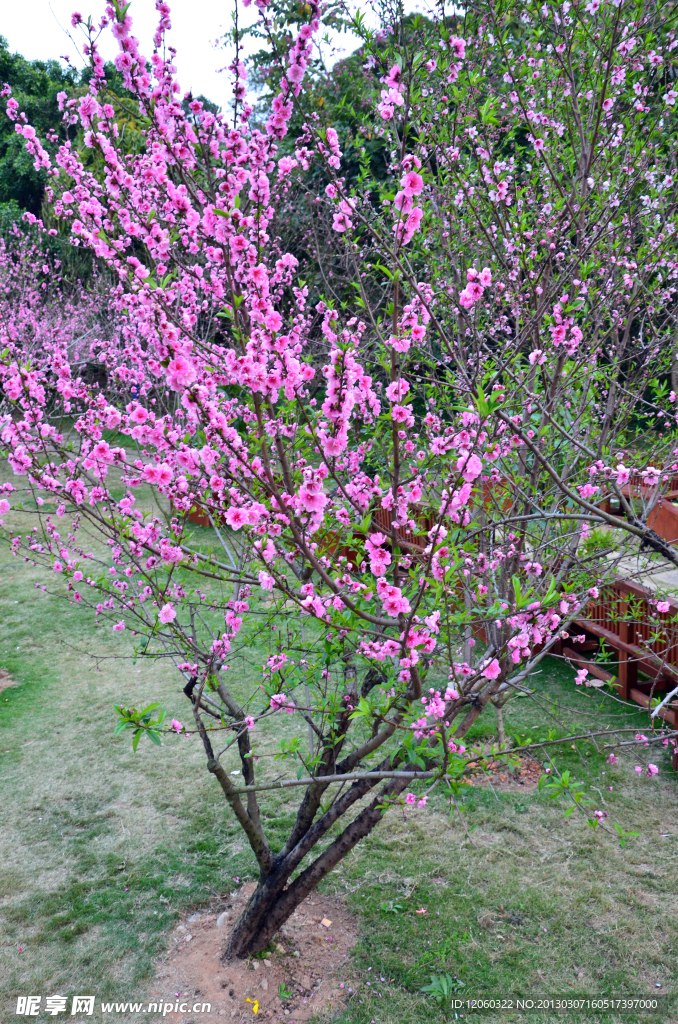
{"x":101,"y":849}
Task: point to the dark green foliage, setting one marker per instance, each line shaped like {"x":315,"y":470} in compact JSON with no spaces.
{"x":34,"y":84}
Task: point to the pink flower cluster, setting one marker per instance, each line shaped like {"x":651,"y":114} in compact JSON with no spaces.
{"x":477,"y":282}
{"x":281,"y":702}
{"x":391,"y":94}
{"x":392,"y":599}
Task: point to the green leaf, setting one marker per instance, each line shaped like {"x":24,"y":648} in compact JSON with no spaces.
{"x":385,"y":270}
{"x":364,"y":709}
{"x":486,"y":114}
{"x":151,"y":707}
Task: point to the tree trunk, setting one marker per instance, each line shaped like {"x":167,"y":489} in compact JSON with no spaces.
{"x":501,"y":734}
{"x":263,"y":916}
{"x":273,"y":901}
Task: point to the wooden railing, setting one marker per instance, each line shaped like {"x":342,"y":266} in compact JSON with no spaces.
{"x":636,"y":487}
{"x":644,"y":641}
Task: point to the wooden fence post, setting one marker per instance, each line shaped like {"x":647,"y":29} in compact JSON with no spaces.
{"x":628,"y":668}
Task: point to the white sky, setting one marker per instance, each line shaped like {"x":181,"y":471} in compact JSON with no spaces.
{"x":38,"y":30}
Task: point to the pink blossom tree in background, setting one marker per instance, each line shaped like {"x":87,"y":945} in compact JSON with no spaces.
{"x":45,"y":314}
{"x":405,"y":472}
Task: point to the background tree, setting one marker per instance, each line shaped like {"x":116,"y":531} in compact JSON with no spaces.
{"x":42,"y":312}
{"x":35,"y":85}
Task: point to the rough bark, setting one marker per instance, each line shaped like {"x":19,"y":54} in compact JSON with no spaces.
{"x":501,"y":732}
{"x":273,"y":901}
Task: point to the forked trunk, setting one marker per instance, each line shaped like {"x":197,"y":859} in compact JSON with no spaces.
{"x":263,"y":917}
{"x":273,"y":901}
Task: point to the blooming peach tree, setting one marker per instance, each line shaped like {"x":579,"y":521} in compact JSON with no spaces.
{"x":43,"y":314}
{"x":404,"y":470}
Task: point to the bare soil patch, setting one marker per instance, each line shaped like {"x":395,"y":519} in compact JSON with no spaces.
{"x":6,"y":680}
{"x":305,"y":972}
{"x":500,"y":776}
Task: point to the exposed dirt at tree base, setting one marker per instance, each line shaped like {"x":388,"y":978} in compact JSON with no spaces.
{"x":309,"y":961}
{"x":501,"y":776}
